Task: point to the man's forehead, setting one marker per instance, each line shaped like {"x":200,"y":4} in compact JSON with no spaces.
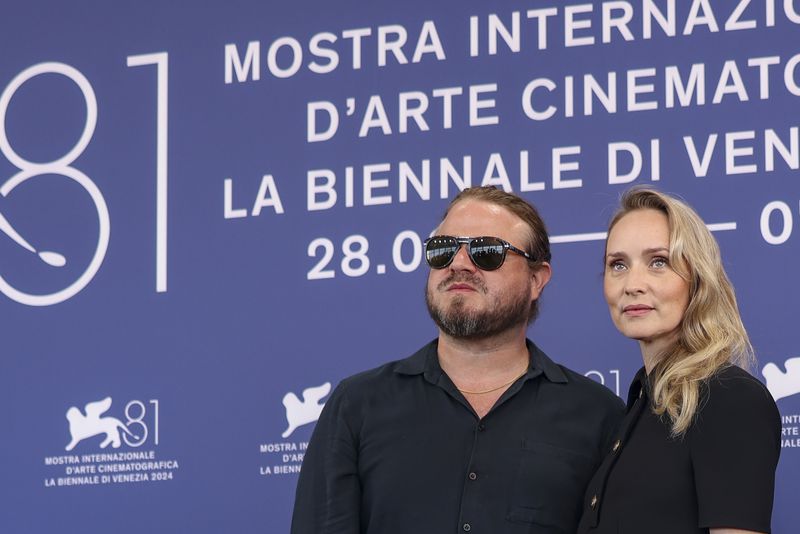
{"x":481,"y":210}
{"x":476,"y":217}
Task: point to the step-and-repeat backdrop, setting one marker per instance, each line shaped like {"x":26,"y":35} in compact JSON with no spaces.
{"x":211,"y":213}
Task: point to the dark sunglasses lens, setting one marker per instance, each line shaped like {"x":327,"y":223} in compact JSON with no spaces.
{"x":440,"y":251}
{"x":488,"y":253}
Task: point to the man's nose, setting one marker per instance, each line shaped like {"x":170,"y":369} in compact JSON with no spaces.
{"x":462,"y":261}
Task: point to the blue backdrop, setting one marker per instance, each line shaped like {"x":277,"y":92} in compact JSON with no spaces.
{"x":206,"y":210}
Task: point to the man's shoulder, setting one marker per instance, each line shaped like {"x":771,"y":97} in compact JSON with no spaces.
{"x":589,"y":393}
{"x":589,"y":387}
{"x":557,"y":372}
{"x":575,"y":388}
{"x":379,"y":377}
{"x":371,"y":377}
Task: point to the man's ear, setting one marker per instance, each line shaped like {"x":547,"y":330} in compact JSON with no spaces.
{"x":540,"y":276}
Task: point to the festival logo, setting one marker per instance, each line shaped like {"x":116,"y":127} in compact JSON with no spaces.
{"x":86,"y":426}
{"x":285,"y":457}
{"x":93,"y":430}
{"x":34,"y":171}
{"x":302,"y":413}
{"x":783,"y":384}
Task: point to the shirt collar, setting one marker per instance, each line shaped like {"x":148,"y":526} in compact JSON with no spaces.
{"x":640,"y":387}
{"x":426,"y":362}
{"x":541,"y":361}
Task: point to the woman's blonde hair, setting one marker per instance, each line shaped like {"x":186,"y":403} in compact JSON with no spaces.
{"x":711,"y":334}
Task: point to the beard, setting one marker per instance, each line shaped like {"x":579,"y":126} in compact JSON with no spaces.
{"x":456,"y":320}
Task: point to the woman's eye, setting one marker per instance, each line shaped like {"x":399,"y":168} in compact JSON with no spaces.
{"x":659,"y":263}
{"x":616,"y":265}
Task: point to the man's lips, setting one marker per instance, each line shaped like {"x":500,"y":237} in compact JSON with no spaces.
{"x":461,"y":287}
{"x":461,"y":284}
{"x":636,"y":309}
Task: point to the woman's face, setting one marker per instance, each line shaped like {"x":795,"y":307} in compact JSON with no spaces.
{"x":646,"y":298}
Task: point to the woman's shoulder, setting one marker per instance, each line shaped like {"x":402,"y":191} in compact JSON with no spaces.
{"x":734,"y":447}
{"x":732,"y":394}
{"x":733,"y":384}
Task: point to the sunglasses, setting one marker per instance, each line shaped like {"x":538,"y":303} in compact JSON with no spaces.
{"x":487,"y":253}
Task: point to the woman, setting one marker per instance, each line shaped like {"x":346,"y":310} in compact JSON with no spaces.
{"x":698,"y":448}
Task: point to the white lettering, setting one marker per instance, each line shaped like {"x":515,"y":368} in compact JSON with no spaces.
{"x":395,"y":46}
{"x":733,"y":22}
{"x":696,"y":85}
{"x":571,"y":24}
{"x":428,"y":43}
{"x":696,"y":19}
{"x":527,"y":99}
{"x":476,"y":104}
{"x":620,"y":23}
{"x":408,"y":111}
{"x":319,"y":51}
{"x":730,"y":81}
{"x":312,"y":134}
{"x":650,"y":12}
{"x":614,"y":177}
{"x":763,"y":64}
{"x":790,"y":154}
{"x":251,"y":66}
{"x":371,"y":183}
{"x":732,"y":152}
{"x":296,"y":57}
{"x":375,"y":117}
{"x":700,"y":167}
{"x":541,"y":19}
{"x":267,"y":196}
{"x":229,"y":211}
{"x":560,"y":166}
{"x":316,"y":189}
{"x":496,"y":174}
{"x":635,"y":89}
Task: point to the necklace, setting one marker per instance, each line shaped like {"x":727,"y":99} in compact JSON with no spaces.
{"x":501,"y":386}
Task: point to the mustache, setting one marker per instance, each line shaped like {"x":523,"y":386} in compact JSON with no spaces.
{"x":462,"y":277}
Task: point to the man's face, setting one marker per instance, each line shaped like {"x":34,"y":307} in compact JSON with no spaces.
{"x":467,"y":302}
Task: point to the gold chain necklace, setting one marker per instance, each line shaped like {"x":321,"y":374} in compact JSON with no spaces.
{"x":501,"y":386}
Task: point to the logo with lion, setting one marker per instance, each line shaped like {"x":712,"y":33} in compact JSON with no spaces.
{"x":783,"y":384}
{"x":91,"y":424}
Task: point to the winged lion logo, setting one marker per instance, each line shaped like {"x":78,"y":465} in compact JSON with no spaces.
{"x":782,"y":384}
{"x":301,"y":413}
{"x":86,"y":426}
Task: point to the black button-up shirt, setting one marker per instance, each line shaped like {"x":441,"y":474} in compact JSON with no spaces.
{"x":720,"y":473}
{"x":398,"y":450}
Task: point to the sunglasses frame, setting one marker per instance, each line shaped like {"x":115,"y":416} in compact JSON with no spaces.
{"x":465,"y":240}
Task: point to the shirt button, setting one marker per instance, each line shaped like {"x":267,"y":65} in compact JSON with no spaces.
{"x":593,"y":503}
{"x":473,"y":476}
{"x":466,"y":527}
{"x":616,"y":446}
{"x":481,"y":427}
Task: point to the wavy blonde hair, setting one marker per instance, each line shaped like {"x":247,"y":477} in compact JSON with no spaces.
{"x":711,"y":335}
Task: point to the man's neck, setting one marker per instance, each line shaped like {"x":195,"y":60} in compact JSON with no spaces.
{"x":485,"y":362}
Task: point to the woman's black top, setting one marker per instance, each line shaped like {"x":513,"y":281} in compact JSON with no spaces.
{"x":720,"y":474}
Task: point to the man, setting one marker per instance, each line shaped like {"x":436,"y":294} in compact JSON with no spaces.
{"x":479,"y":431}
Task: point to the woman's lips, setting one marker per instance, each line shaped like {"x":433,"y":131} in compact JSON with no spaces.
{"x":636,"y":310}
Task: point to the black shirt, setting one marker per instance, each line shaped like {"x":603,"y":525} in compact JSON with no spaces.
{"x":398,"y":450}
{"x":721,"y":473}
